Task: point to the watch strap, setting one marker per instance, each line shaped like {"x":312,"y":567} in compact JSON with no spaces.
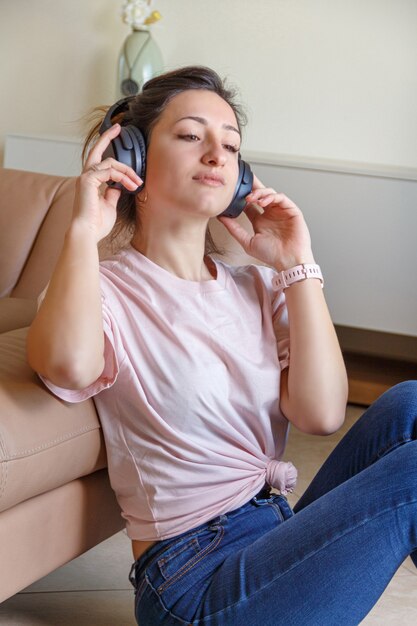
{"x":286,"y":278}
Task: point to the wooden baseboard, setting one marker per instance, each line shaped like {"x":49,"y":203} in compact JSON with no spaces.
{"x":370,"y":376}
{"x":376,"y":361}
{"x":364,"y":393}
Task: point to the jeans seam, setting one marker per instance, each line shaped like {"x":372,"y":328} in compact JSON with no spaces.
{"x":164,"y":608}
{"x":159,"y":554}
{"x":277,"y":511}
{"x":392,"y":446}
{"x":188,"y":566}
{"x":140,"y":591}
{"x":162,"y":562}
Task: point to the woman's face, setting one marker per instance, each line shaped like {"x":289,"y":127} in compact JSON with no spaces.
{"x":192,"y":157}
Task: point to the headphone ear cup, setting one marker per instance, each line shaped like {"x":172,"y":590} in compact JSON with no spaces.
{"x":139,"y":144}
{"x":129,"y":148}
{"x":243,"y":188}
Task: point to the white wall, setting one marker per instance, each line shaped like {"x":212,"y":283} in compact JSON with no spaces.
{"x":334,"y":79}
{"x":329,"y":85}
{"x":363,"y":229}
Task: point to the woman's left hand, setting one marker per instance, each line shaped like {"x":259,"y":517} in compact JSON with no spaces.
{"x":280,"y":234}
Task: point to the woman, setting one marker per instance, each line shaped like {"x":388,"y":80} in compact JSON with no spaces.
{"x":197,"y":368}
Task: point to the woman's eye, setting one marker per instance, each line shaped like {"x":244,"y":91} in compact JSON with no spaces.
{"x":189,"y":137}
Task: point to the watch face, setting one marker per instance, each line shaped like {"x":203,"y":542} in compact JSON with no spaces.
{"x":129,"y":87}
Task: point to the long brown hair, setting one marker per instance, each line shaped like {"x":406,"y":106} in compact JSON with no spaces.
{"x":144,"y":111}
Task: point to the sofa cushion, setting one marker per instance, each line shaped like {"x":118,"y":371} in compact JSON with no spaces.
{"x":44,"y":442}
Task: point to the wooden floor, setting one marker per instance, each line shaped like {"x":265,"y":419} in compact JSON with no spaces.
{"x":369,"y":376}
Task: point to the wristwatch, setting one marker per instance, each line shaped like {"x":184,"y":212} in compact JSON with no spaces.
{"x":286,"y":278}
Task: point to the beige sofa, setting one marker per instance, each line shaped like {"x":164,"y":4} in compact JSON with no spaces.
{"x":55,"y":497}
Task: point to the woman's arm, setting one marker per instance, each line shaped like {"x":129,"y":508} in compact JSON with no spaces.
{"x":313,"y":392}
{"x":314,"y":386}
{"x":66,"y":341}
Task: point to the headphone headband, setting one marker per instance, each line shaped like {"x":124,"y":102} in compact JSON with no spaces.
{"x":119,"y":107}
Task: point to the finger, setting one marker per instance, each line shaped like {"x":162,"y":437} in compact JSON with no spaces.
{"x":112,"y":195}
{"x":98,"y":176}
{"x":259,"y":193}
{"x":252,"y":211}
{"x":269,"y":199}
{"x":126,"y":169}
{"x":96,"y":152}
{"x":266,"y":196}
{"x":237,"y":231}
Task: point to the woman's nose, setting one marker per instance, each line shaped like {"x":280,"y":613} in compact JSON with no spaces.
{"x":214,"y":155}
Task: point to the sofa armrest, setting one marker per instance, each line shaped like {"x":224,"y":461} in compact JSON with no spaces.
{"x":16,"y":313}
{"x":44,"y":442}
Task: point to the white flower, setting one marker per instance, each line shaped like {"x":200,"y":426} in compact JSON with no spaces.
{"x":136,"y":12}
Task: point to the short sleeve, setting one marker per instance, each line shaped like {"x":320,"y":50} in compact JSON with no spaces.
{"x":111,"y":365}
{"x":281,"y":328}
{"x":279,"y":314}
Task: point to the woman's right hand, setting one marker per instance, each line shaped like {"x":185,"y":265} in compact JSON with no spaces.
{"x":95,"y":204}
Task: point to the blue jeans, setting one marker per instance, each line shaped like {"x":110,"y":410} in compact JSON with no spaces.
{"x":326,"y":563}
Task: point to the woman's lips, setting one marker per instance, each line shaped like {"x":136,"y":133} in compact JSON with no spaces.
{"x":210,"y":180}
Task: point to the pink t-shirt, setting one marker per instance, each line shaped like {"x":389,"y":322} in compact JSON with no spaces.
{"x":189,"y":396}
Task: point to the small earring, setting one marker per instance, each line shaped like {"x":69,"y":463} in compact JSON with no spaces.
{"x":145,"y":199}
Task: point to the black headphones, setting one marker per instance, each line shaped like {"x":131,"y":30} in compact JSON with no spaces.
{"x":129,"y":147}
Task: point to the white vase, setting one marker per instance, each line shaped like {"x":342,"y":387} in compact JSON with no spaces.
{"x":140,"y":59}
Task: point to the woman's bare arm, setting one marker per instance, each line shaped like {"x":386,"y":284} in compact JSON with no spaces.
{"x":314,"y":387}
{"x":65,"y":341}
